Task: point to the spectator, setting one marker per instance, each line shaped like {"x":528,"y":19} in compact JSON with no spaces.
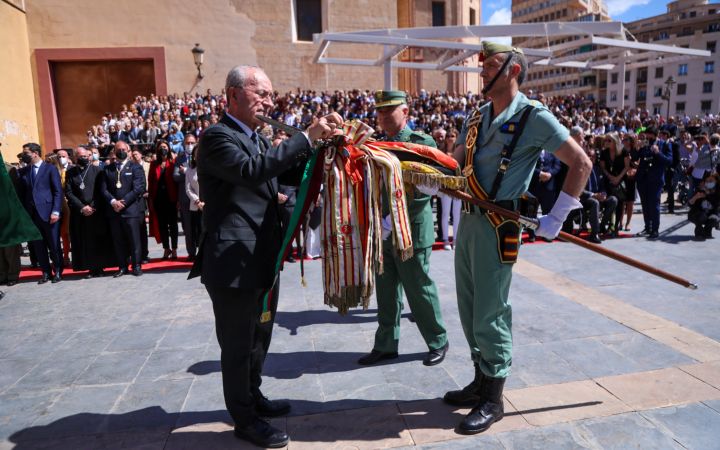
{"x":630,"y":146}
{"x":653,"y":158}
{"x":192,"y":190}
{"x":179,"y":173}
{"x":705,"y":207}
{"x":162,"y":200}
{"x":40,"y":191}
{"x":89,"y":229}
{"x":122,"y":187}
{"x":615,"y":162}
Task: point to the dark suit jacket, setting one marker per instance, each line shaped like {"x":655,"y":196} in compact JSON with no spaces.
{"x":131,"y":191}
{"x":242,"y":232}
{"x":546,"y":163}
{"x":651,"y":169}
{"x":45,"y":194}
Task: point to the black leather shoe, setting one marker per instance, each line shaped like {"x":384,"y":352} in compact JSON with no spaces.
{"x":436,"y":356}
{"x":262,"y":434}
{"x":470,"y":394}
{"x":653,"y":235}
{"x":594,"y":238}
{"x":137,"y":271}
{"x":643,"y":233}
{"x":376,"y":356}
{"x":57,"y":278}
{"x":270,"y":408}
{"x":488,"y":411}
{"x":12,"y":283}
{"x":120,"y":273}
{"x":44,"y":279}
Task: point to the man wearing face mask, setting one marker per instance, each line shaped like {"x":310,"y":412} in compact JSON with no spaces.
{"x":654,"y":157}
{"x":89,"y":230}
{"x":40,"y":191}
{"x":181,"y":164}
{"x":66,"y":164}
{"x":705,"y":208}
{"x":122,"y":187}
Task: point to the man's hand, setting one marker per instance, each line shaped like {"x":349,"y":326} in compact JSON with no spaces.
{"x":655,"y":149}
{"x":324,"y":127}
{"x":282,"y":198}
{"x":600,"y":196}
{"x":551,"y":224}
{"x":118,"y":205}
{"x":544,"y":176}
{"x":54,"y":218}
{"x":87,"y":210}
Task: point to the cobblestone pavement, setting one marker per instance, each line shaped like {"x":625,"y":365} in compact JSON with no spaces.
{"x":605,"y":356}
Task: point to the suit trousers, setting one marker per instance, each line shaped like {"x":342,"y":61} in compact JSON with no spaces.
{"x":650,"y":191}
{"x":10,"y":263}
{"x":244,"y":342}
{"x":191,"y":235}
{"x":50,"y":242}
{"x":126,"y":239}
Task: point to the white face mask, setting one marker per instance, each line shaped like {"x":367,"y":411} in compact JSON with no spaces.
{"x":189,"y":148}
{"x":63,"y":161}
{"x":710,"y":185}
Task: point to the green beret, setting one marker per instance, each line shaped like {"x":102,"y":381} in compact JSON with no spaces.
{"x":491,"y":49}
{"x":390,"y":98}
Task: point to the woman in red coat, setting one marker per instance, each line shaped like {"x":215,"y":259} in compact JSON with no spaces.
{"x":163,"y":197}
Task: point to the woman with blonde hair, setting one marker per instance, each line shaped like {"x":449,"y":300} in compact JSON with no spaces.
{"x":615,"y":163}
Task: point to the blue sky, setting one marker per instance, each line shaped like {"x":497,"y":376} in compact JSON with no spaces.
{"x":498,"y":11}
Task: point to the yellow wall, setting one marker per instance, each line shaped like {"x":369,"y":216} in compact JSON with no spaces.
{"x":18,"y":120}
{"x":231,"y":32}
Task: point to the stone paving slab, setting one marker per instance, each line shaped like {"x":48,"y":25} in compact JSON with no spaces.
{"x":600,"y":350}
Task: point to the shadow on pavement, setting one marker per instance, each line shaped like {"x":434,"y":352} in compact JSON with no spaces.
{"x":292,"y":320}
{"x":295,"y":364}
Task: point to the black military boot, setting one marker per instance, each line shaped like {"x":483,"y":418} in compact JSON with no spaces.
{"x":470,"y":394}
{"x":488,"y":411}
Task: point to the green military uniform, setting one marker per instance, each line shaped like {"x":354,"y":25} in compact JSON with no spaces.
{"x":482,"y":279}
{"x":410,"y":275}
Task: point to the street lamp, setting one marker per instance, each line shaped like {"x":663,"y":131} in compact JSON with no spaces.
{"x":669,"y":83}
{"x":198,"y":53}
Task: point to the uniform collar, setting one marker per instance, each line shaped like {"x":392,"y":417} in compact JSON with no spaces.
{"x":402,"y":134}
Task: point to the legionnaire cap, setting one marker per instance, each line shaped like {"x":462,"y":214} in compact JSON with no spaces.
{"x":390,"y":98}
{"x":491,"y":49}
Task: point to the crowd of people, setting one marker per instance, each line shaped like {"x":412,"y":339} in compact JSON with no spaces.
{"x":635,"y":154}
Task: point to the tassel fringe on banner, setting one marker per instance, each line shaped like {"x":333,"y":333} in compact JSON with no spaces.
{"x":357,"y":173}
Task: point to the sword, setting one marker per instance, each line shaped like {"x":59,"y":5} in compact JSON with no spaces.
{"x":279,"y":125}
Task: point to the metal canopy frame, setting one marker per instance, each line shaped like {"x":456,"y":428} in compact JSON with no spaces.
{"x":463,"y":42}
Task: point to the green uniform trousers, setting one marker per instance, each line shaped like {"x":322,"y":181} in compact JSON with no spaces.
{"x":412,"y":276}
{"x":482,"y":284}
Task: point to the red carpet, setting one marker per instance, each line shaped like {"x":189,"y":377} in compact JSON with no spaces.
{"x":155,"y":265}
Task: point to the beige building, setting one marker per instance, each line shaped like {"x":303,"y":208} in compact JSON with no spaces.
{"x":554,"y":81}
{"x":73,"y":60}
{"x":687,"y":23}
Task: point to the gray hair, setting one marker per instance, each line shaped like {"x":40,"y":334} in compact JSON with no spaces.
{"x":519,"y":59}
{"x":239,"y":75}
{"x":576,"y":131}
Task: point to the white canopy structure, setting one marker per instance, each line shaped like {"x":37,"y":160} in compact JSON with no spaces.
{"x":593,"y":45}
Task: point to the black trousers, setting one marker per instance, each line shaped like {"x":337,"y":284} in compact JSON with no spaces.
{"x":50,"y":243}
{"x":126,"y":239}
{"x":194,"y":230}
{"x":244,"y":343}
{"x":167,"y":219}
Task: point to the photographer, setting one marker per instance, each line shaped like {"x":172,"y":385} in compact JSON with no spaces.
{"x":702,"y":162}
{"x":705,"y":207}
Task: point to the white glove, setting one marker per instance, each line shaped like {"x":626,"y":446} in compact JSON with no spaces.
{"x":386,"y":227}
{"x":551,"y":224}
{"x":427,"y":190}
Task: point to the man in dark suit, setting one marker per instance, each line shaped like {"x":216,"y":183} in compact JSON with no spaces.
{"x":545,"y":183}
{"x":41,"y":193}
{"x":654,"y":156}
{"x":238,"y":174}
{"x":122,"y":186}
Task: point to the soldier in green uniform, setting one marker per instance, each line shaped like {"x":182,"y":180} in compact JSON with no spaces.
{"x":410,"y":275}
{"x":498,"y":148}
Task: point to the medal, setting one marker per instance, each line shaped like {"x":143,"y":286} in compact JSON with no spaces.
{"x":118,"y":185}
{"x":82,"y":185}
